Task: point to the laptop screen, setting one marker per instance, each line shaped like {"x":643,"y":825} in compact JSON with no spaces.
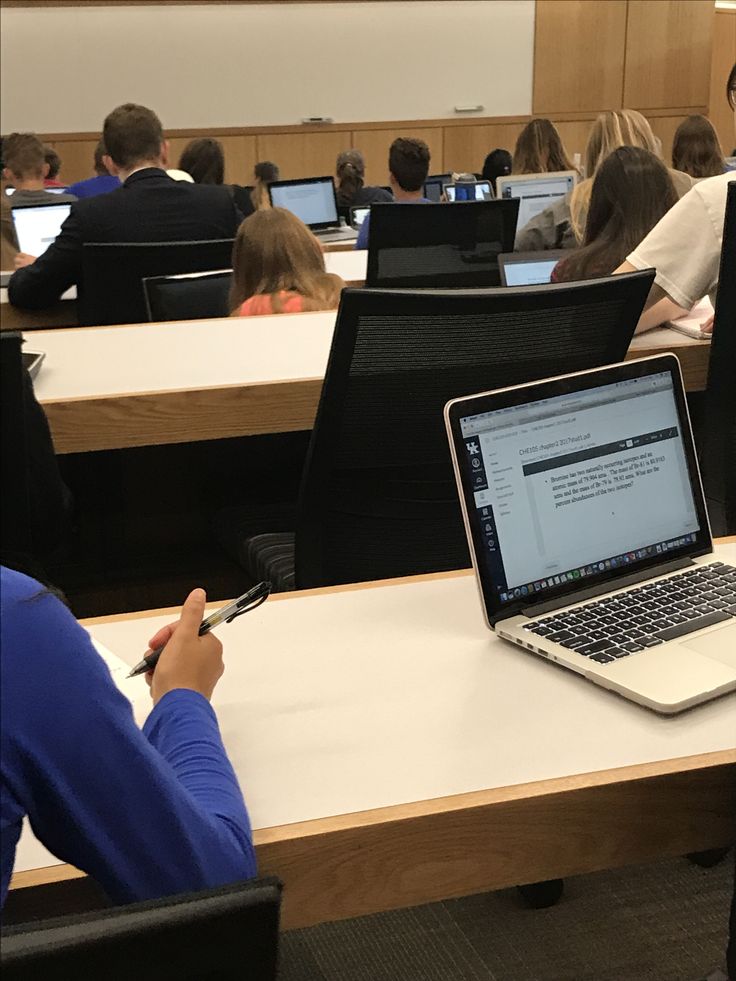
{"x":36,"y":227}
{"x":479,"y":191}
{"x":537,"y":192}
{"x":533,"y":272}
{"x":569,"y":487}
{"x":313,"y":200}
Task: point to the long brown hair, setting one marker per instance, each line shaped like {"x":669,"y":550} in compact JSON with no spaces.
{"x":204,"y":161}
{"x":274,"y":251}
{"x":631,"y":191}
{"x":696,"y":149}
{"x":350,"y":173}
{"x":539,"y":149}
{"x":264,"y":173}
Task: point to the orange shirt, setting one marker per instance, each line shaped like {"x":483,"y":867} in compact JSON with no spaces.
{"x":262,"y":304}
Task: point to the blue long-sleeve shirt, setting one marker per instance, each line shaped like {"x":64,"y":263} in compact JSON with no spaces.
{"x":147,"y":814}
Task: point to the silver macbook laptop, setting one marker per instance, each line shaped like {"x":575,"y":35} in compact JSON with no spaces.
{"x":37,"y":225}
{"x":528,"y":268}
{"x":313,"y":200}
{"x":536,"y":192}
{"x":587,"y":526}
{"x":468,"y":191}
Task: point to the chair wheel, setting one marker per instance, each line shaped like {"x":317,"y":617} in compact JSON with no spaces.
{"x":709,"y":858}
{"x":541,"y":895}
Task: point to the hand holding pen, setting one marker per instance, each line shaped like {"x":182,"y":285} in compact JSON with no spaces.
{"x":193,"y":656}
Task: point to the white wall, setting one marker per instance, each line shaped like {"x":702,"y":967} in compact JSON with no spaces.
{"x":62,"y":69}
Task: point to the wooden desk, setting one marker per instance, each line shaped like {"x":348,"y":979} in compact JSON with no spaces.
{"x":104,"y":387}
{"x":393,"y":751}
{"x":341,"y":258}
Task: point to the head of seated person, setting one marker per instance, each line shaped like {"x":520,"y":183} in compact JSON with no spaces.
{"x":134,"y":139}
{"x":264,"y":173}
{"x":696,"y":149}
{"x":539,"y":149}
{"x":204,"y":160}
{"x":350,"y":174}
{"x":497,"y":164}
{"x":631,"y":191}
{"x":53,"y":161}
{"x":408,"y":166}
{"x":25,"y":163}
{"x":279,"y":267}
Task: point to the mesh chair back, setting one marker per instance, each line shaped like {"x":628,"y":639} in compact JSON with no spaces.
{"x":378,"y":497}
{"x":15,"y":533}
{"x":718,"y":462}
{"x":111,"y":291}
{"x":191,"y":296}
{"x":436,"y":246}
{"x":222,"y":934}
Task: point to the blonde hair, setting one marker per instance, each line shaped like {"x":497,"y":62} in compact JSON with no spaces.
{"x":610,"y":130}
{"x":539,"y":149}
{"x":275,"y":252}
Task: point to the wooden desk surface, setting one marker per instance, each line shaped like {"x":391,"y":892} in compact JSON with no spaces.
{"x":393,"y":751}
{"x":104,"y":387}
{"x":340,"y":258}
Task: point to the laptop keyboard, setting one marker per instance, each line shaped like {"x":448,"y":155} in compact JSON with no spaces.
{"x":645,"y":616}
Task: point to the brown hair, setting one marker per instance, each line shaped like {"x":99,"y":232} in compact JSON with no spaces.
{"x":53,"y":159}
{"x":632,"y":190}
{"x":100,"y":152}
{"x":23,"y":155}
{"x":731,"y":87}
{"x":408,"y":161}
{"x":274,"y":251}
{"x":204,"y":161}
{"x":264,"y":172}
{"x":350,"y":172}
{"x":696,"y":150}
{"x":132,"y":134}
{"x":539,"y":149}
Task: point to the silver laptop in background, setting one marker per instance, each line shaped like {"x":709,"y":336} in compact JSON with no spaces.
{"x":588,"y":531}
{"x":536,"y":192}
{"x":38,"y":225}
{"x":528,"y":268}
{"x":312,"y":199}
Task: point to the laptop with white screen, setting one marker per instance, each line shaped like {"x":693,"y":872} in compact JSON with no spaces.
{"x":313,"y":200}
{"x":528,"y":268}
{"x":37,"y":226}
{"x":535,"y":191}
{"x":587,"y":526}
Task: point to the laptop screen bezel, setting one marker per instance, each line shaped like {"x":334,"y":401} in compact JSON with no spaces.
{"x":518,"y":258}
{"x":562,"y":385}
{"x":315,"y":225}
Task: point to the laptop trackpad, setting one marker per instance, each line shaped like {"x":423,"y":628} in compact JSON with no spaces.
{"x":718,"y":644}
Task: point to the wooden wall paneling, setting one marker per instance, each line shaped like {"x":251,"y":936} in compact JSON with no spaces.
{"x":722,"y":60}
{"x":574,"y":134}
{"x":668,"y":53}
{"x":375,"y":144}
{"x":578,"y":55}
{"x":303,"y":154}
{"x":77,"y":159}
{"x":466,"y":147}
{"x":664,"y":127}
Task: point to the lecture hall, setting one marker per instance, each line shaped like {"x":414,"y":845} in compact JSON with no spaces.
{"x":374,"y":320}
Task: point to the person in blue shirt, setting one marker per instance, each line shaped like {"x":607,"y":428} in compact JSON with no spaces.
{"x":408,"y":166}
{"x":146,"y":813}
{"x":102,"y":183}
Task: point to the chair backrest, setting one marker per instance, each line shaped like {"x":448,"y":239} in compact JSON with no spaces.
{"x":15,"y":530}
{"x":718,"y":459}
{"x":111,"y":291}
{"x":436,"y":246}
{"x":222,"y":934}
{"x":190,"y":296}
{"x":378,"y":496}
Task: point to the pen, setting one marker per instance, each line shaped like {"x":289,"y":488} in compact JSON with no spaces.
{"x":243,"y":604}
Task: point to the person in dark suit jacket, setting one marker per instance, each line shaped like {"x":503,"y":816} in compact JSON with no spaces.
{"x":149,"y":207}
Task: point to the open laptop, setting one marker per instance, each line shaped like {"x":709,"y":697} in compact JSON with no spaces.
{"x":535,"y":191}
{"x":469,"y":191}
{"x":588,"y":530}
{"x":358,"y":214}
{"x":37,"y":225}
{"x":433,"y":185}
{"x":528,"y":268}
{"x":313,"y":200}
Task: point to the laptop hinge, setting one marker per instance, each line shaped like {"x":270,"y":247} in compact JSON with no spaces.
{"x":606,"y":587}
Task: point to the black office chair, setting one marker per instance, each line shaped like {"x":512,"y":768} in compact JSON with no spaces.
{"x":436,"y":246}
{"x":718,"y":456}
{"x":221,"y":934}
{"x":190,"y":296}
{"x":378,"y":496}
{"x":15,"y":511}
{"x":111,"y":291}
